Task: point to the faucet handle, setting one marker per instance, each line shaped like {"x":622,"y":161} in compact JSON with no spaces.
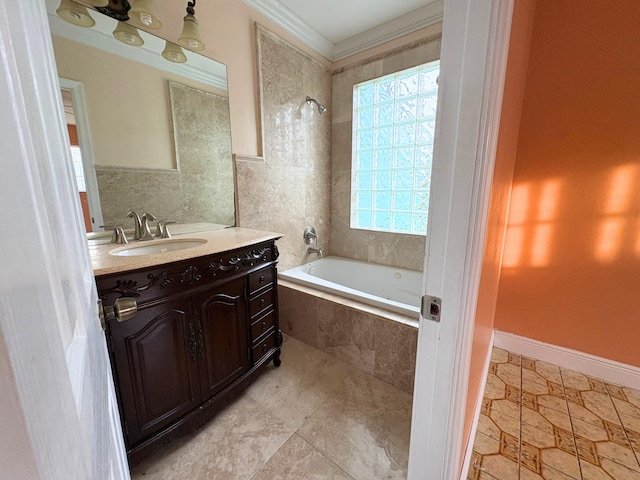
{"x":119,"y":236}
{"x":161,"y":229}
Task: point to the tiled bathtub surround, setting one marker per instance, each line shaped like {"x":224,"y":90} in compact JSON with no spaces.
{"x":289,"y":189}
{"x":540,"y":421}
{"x":375,"y":341}
{"x":368,"y":246}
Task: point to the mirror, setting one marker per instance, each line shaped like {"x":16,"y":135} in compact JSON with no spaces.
{"x":157,"y":133}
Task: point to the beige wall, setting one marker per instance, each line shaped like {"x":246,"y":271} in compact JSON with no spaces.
{"x":289,"y":189}
{"x":394,"y":249}
{"x":127,"y":105}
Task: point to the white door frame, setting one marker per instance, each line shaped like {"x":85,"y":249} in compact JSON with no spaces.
{"x":472,"y":69}
{"x":84,"y":142}
{"x":46,"y":283}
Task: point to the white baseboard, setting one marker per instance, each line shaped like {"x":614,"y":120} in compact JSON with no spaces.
{"x":609,"y":370}
{"x":476,"y":411}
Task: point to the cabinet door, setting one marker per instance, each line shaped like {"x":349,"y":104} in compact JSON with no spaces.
{"x":221,"y":330}
{"x":156,"y":364}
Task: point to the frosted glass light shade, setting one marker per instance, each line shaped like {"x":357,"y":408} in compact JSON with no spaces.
{"x":173,"y":53}
{"x":142,"y":14}
{"x":97,"y":3}
{"x":190,"y":37}
{"x":128,"y":34}
{"x":74,"y":13}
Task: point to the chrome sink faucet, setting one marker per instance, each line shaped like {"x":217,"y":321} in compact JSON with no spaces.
{"x":145,"y":231}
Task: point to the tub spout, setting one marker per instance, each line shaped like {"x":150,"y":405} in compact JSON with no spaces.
{"x":315,"y":250}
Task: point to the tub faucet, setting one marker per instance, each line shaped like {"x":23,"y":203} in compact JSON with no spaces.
{"x":315,"y":250}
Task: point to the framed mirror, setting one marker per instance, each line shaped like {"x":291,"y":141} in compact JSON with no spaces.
{"x":153,"y":135}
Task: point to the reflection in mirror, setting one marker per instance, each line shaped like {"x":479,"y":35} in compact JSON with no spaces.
{"x":157,"y":135}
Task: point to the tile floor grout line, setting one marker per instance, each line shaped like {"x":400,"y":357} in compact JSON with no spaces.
{"x":521,"y":416}
{"x":325,"y":456}
{"x":624,"y":429}
{"x":573,"y":433}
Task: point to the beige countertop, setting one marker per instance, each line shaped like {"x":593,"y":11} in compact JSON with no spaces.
{"x":216,"y":241}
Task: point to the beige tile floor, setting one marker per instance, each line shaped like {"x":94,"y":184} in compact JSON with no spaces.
{"x":540,"y":421}
{"x":314,"y":417}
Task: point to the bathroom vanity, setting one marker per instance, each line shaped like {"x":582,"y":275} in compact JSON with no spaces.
{"x":207,"y":324}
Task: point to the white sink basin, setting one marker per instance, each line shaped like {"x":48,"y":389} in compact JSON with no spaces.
{"x":154,"y":247}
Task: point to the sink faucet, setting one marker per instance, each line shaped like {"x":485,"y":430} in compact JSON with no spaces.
{"x":137,"y":223}
{"x":145,"y":233}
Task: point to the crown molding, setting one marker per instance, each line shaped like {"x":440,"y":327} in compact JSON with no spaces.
{"x":284,"y":17}
{"x":408,"y":23}
{"x":197,"y":67}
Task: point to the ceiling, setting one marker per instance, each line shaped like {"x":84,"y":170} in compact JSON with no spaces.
{"x":339,"y":28}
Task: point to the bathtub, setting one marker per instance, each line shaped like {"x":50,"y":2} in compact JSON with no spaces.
{"x":390,"y":288}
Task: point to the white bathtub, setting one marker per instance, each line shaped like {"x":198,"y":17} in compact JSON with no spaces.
{"x":391,"y":288}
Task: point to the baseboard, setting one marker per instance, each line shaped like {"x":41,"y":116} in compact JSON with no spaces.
{"x":609,"y":370}
{"x":476,"y":412}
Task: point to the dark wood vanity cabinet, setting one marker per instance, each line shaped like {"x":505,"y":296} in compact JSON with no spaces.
{"x":205,"y":327}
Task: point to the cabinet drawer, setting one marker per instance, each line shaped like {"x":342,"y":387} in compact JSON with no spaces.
{"x":261,"y":302}
{"x":262,"y":325}
{"x":262,"y":348}
{"x":260,"y":279}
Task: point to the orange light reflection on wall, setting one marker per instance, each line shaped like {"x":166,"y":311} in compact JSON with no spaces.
{"x":609,"y":240}
{"x":541,"y":245}
{"x":513,"y":246}
{"x":548,"y":203}
{"x":620,"y":190}
{"x":519,"y":208}
{"x":609,"y":237}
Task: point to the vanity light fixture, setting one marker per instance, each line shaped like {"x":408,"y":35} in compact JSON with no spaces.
{"x":74,"y":13}
{"x":190,"y":37}
{"x":141,"y":14}
{"x":128,"y":34}
{"x":173,"y":53}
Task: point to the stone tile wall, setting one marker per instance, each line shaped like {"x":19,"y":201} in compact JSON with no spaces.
{"x":290,"y":188}
{"x":377,"y":342}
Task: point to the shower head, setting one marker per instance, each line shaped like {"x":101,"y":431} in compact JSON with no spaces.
{"x":321,"y":108}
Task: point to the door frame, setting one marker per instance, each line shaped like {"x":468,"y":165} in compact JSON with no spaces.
{"x":86,"y":148}
{"x":473,"y":64}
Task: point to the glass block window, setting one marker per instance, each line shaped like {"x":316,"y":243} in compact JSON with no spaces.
{"x":393,"y":128}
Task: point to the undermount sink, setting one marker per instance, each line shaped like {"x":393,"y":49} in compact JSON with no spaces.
{"x":158,"y":246}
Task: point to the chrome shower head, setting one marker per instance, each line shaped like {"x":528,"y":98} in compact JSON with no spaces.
{"x":321,"y":108}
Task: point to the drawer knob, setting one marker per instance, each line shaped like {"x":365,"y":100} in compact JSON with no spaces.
{"x":262,"y":302}
{"x":264,"y":325}
{"x":261,"y":279}
{"x":264,"y":348}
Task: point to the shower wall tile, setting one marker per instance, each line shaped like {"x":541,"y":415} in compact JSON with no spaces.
{"x":406,"y":251}
{"x":292,"y":183}
{"x":124,"y":190}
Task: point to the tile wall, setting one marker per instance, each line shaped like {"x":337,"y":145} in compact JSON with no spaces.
{"x":377,"y":342}
{"x":290,"y":188}
{"x":405,"y":251}
{"x":201,"y":189}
